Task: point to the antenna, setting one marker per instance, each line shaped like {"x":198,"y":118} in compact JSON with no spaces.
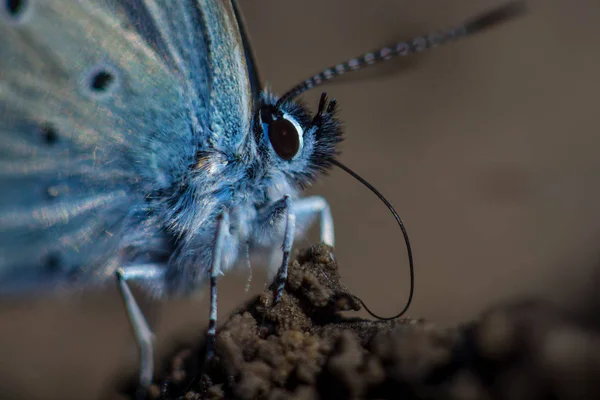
{"x":416,"y":45}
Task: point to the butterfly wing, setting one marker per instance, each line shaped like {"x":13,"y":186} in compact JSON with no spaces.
{"x":102,"y":105}
{"x":255,"y":83}
{"x":201,"y":40}
{"x":92,"y":120}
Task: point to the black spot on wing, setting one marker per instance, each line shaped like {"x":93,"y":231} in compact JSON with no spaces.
{"x":53,"y":263}
{"x":48,"y":134}
{"x":100,"y":81}
{"x":15,"y":11}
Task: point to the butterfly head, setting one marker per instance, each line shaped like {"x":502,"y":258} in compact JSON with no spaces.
{"x":295,"y":142}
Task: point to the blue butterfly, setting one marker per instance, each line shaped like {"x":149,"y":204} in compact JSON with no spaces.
{"x":138,"y":145}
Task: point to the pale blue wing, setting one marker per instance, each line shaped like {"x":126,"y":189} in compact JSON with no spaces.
{"x":255,"y":83}
{"x":202,"y":42}
{"x":92,"y":122}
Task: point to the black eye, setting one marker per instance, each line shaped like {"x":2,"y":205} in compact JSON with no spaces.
{"x":284,"y":138}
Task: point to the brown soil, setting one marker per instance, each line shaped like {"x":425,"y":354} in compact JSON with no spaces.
{"x":303,"y":348}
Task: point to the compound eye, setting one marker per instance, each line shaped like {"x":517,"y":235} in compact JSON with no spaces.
{"x":285,"y":138}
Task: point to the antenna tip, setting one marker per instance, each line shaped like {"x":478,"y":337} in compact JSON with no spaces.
{"x":496,"y":16}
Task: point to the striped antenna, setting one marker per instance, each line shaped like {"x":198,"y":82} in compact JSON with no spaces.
{"x":416,"y":45}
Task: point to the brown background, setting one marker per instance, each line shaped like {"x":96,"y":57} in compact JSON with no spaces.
{"x":488,"y":148}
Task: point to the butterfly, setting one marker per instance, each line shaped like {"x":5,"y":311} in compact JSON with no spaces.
{"x":139,"y":146}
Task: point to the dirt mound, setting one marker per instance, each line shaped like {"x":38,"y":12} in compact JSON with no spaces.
{"x":303,"y":348}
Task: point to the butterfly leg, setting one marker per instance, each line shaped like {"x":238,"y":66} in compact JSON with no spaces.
{"x":288,"y":241}
{"x":140,"y":326}
{"x":307,"y":208}
{"x":303,"y":211}
{"x":215,"y":270}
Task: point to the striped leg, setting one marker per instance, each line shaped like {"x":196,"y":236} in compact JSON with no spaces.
{"x":288,"y":241}
{"x":215,"y":270}
{"x":307,"y":210}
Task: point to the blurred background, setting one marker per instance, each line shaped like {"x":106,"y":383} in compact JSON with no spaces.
{"x":488,"y":148}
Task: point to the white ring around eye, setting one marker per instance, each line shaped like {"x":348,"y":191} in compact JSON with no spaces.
{"x":299,"y":131}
